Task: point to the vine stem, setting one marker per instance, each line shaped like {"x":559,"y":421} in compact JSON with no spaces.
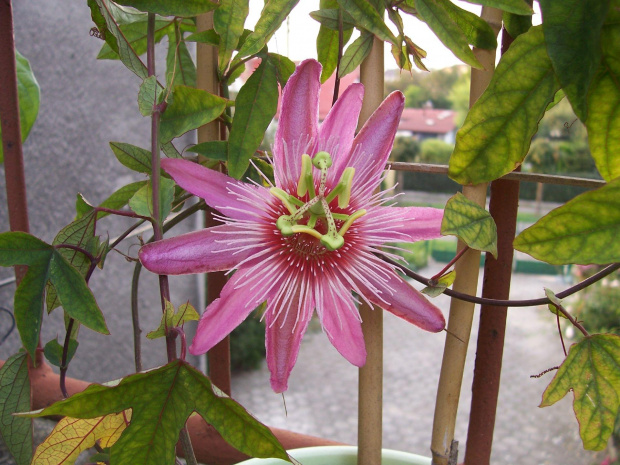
{"x":505,"y":303}
{"x":164,"y":288}
{"x":340,"y":48}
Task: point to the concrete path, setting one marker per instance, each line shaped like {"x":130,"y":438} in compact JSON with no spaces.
{"x":322,"y":395}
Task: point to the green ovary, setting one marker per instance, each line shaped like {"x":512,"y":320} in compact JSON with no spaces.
{"x":305,"y":217}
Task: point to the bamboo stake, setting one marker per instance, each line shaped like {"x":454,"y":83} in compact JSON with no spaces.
{"x":370,"y":427}
{"x":461,"y":313}
{"x":207,"y":79}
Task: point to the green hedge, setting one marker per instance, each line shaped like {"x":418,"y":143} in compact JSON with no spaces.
{"x":441,"y":183}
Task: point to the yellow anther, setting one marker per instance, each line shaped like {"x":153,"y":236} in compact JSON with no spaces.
{"x":349,"y":222}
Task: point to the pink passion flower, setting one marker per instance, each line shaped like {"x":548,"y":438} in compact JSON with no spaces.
{"x":307,"y":242}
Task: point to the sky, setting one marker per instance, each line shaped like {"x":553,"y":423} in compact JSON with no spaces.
{"x":297,"y":37}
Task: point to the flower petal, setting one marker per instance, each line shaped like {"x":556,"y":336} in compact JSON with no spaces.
{"x":341,"y":322}
{"x":219,"y":191}
{"x":285,"y":330}
{"x":223,"y":315}
{"x":401,"y":224}
{"x":196,"y":252}
{"x":372,"y":145}
{"x":338,"y":129}
{"x":298,"y":123}
{"x":383,"y":287}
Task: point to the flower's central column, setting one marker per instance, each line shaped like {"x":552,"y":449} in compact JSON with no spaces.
{"x":318,"y":204}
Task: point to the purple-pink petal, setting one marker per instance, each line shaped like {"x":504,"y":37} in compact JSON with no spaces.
{"x":338,"y":129}
{"x":216,"y":188}
{"x":223,"y":315}
{"x":283,"y":339}
{"x":298,"y":123}
{"x":202,"y":251}
{"x":372,"y":145}
{"x":340,"y":320}
{"x":403,"y":224}
{"x":383,"y":287}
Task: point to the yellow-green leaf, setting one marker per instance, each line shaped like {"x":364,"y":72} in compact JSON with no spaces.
{"x":442,"y":284}
{"x":497,"y":132}
{"x":161,"y":401}
{"x":72,"y":436}
{"x":573,"y":36}
{"x":438,"y":18}
{"x":15,"y":397}
{"x":189,"y":109}
{"x":470,"y":223}
{"x":555,"y":303}
{"x":584,"y":230}
{"x":173,"y":319}
{"x":592,"y":372}
{"x":603,"y":121}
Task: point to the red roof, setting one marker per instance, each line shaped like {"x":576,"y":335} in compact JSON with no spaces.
{"x":427,"y":120}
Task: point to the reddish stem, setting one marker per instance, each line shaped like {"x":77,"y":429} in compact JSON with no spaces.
{"x":456,"y":258}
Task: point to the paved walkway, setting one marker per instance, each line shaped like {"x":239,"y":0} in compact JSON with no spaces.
{"x":322,"y":395}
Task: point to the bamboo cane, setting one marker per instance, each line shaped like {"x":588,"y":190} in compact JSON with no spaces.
{"x":207,"y":79}
{"x":370,"y":427}
{"x":461,"y":313}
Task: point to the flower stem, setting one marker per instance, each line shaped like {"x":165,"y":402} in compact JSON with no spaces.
{"x":452,"y":262}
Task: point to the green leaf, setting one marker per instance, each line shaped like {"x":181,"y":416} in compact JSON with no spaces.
{"x":603,"y":121}
{"x":516,"y":24}
{"x":170,"y":150}
{"x":135,"y":34}
{"x":355,"y":53}
{"x":15,"y":397}
{"x":327,"y":41}
{"x":443,"y":283}
{"x":328,"y":17}
{"x":228,"y":21}
{"x":271,"y":18}
{"x":284,"y":67}
{"x":161,"y":401}
{"x":367,"y":17}
{"x":434,"y":13}
{"x":204,"y":37}
{"x":116,"y":201}
{"x":189,"y":109}
{"x":592,"y":372}
{"x":255,"y":107}
{"x":476,"y":30}
{"x":102,"y":27}
{"x":185,"y":8}
{"x":53,"y":351}
{"x":555,"y":303}
{"x":28,"y":95}
{"x":142,"y":201}
{"x":126,"y":53}
{"x":75,"y":297}
{"x":134,"y":158}
{"x":471,"y":223}
{"x":173,"y":319}
{"x":583,"y":231}
{"x":150,"y":94}
{"x":519,"y":7}
{"x":498,"y":129}
{"x":180,"y":67}
{"x":78,"y":233}
{"x":215,"y":149}
{"x":573,"y":36}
